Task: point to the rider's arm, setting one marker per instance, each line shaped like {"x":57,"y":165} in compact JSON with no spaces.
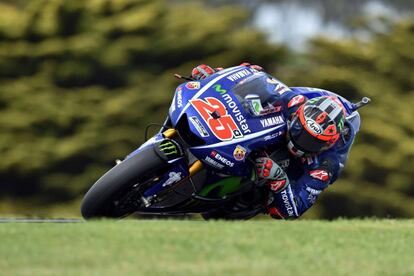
{"x":301,"y":194}
{"x":203,"y":71}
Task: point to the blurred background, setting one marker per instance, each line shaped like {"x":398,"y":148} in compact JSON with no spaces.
{"x":79,"y":81}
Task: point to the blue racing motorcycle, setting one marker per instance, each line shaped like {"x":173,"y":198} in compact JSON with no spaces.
{"x":201,"y":161}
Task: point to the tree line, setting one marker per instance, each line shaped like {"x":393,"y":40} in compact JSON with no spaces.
{"x":80,"y":80}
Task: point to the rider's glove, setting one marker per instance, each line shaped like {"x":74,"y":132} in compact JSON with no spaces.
{"x":256,"y":67}
{"x":202,"y":71}
{"x":268,"y":169}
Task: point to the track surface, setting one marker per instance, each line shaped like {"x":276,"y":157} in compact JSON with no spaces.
{"x":39,"y":220}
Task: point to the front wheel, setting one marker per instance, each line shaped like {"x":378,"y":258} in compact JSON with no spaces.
{"x":102,"y":199}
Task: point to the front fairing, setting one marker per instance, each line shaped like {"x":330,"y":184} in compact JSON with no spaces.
{"x":215,"y":116}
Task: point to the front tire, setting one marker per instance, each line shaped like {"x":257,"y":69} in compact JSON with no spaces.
{"x":99,"y":200}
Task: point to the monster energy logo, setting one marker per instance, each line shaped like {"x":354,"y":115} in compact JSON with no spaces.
{"x":168,"y":148}
{"x":341,"y":124}
{"x":218,"y":88}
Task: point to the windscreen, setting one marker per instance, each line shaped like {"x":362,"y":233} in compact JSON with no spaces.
{"x":257,"y":93}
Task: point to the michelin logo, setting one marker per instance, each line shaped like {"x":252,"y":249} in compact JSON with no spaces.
{"x":173,"y":178}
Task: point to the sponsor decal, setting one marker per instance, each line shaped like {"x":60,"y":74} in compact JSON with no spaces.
{"x":222,"y":124}
{"x":341,"y":124}
{"x":172,"y":107}
{"x":313,"y":194}
{"x":240,"y":74}
{"x":309,"y":160}
{"x":257,"y":106}
{"x":174,"y":177}
{"x":313,"y":191}
{"x":313,"y":89}
{"x":287,"y":203}
{"x":169,"y":149}
{"x":272,"y":121}
{"x":239,"y":153}
{"x":173,"y":103}
{"x":271,"y":81}
{"x":320,"y":175}
{"x":180,"y":98}
{"x":213,"y":163}
{"x":222,"y":159}
{"x":219,"y":89}
{"x":236,"y":111}
{"x":299,"y":99}
{"x":193,"y":85}
{"x":314,"y":126}
{"x":277,"y":185}
{"x":233,"y":108}
{"x":199,"y":126}
{"x":273,"y":135}
{"x":281,"y":88}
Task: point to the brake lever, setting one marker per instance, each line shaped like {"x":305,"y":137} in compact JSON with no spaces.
{"x":178,"y":76}
{"x":364,"y":101}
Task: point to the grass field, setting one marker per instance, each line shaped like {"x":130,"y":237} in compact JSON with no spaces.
{"x":157,"y":247}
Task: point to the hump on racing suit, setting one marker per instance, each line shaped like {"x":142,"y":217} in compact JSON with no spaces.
{"x":309,"y":176}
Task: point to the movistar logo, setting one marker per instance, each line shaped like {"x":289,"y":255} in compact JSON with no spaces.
{"x":234,"y":108}
{"x":168,"y":148}
{"x":218,"y":88}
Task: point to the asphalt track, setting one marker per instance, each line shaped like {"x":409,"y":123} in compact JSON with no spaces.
{"x":40,"y":220}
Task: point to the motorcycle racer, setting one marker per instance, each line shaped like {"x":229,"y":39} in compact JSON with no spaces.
{"x":319,"y":137}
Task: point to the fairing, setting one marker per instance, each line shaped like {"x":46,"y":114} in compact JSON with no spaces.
{"x":215,"y":115}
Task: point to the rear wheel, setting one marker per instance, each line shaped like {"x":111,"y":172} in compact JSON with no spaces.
{"x":244,"y":207}
{"x":106,"y":198}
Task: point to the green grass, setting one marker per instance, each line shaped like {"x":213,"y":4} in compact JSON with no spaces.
{"x":157,"y":247}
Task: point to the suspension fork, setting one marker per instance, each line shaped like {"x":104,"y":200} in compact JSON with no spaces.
{"x":197,"y":165}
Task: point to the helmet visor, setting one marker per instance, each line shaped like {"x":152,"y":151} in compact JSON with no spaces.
{"x":303,"y":140}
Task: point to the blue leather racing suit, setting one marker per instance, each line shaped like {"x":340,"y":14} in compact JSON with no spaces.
{"x":308,"y":177}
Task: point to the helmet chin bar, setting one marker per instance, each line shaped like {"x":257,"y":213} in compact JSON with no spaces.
{"x":294,"y":150}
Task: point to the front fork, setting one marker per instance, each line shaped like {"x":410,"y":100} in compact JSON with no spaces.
{"x":197,"y":165}
{"x":165,"y":150}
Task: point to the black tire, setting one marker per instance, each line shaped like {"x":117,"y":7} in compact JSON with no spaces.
{"x":244,"y":207}
{"x":228,"y":215}
{"x":98,"y":201}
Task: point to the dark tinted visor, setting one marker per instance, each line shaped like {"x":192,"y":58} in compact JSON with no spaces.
{"x":303,"y":140}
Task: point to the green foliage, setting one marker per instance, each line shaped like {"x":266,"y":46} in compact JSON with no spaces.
{"x":79,"y":81}
{"x":379,"y":176}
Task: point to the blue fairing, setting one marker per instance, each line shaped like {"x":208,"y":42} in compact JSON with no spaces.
{"x":195,"y":101}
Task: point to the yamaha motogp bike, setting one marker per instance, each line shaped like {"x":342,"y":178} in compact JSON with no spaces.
{"x":202,"y":159}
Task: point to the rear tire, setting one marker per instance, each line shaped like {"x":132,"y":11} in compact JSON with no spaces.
{"x":99,"y":200}
{"x":244,"y":207}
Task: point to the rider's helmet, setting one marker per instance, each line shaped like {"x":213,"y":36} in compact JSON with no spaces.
{"x":316,"y":125}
